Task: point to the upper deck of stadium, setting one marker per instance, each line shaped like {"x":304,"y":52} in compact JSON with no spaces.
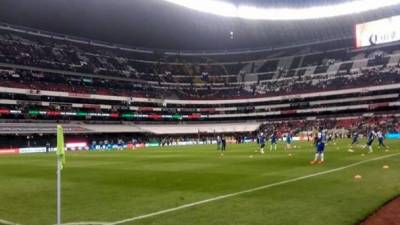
{"x":158,"y":25}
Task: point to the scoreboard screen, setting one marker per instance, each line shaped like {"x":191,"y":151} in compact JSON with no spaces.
{"x":378,"y":32}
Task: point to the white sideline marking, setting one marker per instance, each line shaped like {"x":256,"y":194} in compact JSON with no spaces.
{"x":5,"y":222}
{"x":240,"y":192}
{"x":86,"y":223}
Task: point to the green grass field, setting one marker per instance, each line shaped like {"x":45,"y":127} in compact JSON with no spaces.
{"x":115,"y":186}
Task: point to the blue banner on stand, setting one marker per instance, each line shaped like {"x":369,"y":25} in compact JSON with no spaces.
{"x":393,"y":136}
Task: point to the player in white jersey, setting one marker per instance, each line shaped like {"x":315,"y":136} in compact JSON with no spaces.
{"x":381,"y":138}
{"x":370,"y":139}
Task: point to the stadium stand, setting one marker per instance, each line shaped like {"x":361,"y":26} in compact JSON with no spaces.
{"x":47,"y":79}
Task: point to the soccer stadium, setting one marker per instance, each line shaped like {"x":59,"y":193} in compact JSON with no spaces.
{"x":202,"y":112}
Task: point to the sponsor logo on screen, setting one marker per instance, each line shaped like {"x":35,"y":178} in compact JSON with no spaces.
{"x":378,"y":32}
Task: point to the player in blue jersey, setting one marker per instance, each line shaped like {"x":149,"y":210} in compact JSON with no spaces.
{"x":355,"y":138}
{"x":261,"y":142}
{"x":381,"y":138}
{"x":320,"y":148}
{"x":370,"y":139}
{"x":274,"y":140}
{"x":289,"y":139}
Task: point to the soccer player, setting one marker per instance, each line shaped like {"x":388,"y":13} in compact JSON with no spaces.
{"x":219,"y":142}
{"x":261,"y":141}
{"x":330,"y":138}
{"x":223,"y":144}
{"x":48,"y":146}
{"x":289,"y":141}
{"x":320,"y":148}
{"x":370,"y":139}
{"x":381,"y":138}
{"x":274,"y":139}
{"x":355,"y":138}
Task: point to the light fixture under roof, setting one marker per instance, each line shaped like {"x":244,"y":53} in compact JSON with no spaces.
{"x":227,"y":9}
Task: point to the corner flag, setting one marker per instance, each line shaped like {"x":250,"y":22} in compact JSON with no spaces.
{"x":60,"y":165}
{"x":60,"y":145}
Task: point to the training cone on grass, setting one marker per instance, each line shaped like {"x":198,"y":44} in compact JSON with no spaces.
{"x":357,"y":177}
{"x":385,"y":167}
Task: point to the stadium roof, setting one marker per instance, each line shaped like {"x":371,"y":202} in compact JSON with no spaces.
{"x":273,"y":13}
{"x":161,"y":24}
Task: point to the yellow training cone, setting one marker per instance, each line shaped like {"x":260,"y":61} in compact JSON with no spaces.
{"x":385,"y":167}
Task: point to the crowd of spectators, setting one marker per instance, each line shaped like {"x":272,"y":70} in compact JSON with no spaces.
{"x":360,"y":124}
{"x":342,"y":128}
{"x":121,"y":75}
{"x":57,"y":82}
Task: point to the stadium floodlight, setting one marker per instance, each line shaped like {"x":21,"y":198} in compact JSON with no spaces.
{"x":227,"y":9}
